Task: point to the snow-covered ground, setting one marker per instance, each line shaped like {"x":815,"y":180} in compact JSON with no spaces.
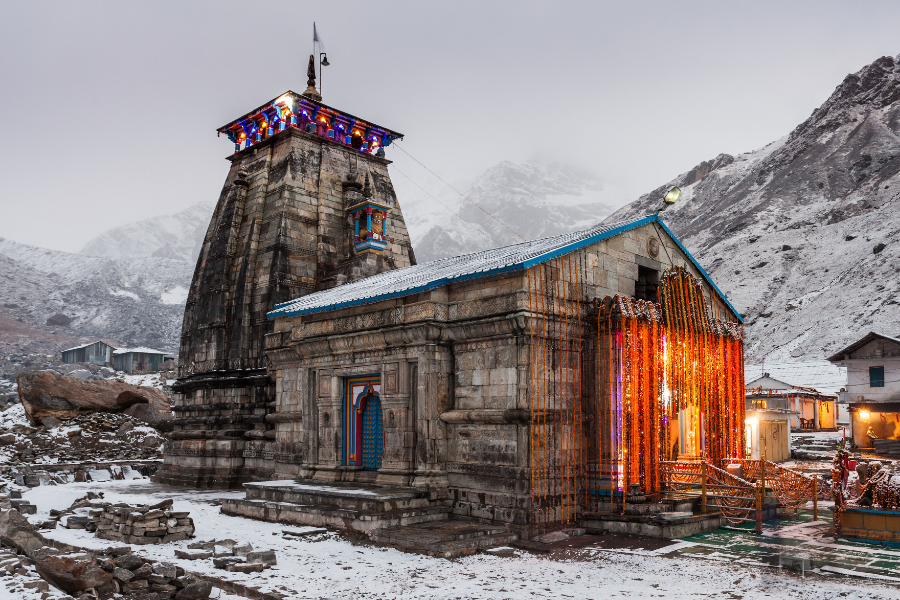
{"x":329,"y":566}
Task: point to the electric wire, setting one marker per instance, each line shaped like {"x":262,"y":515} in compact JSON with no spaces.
{"x":456,"y":214}
{"x":461,"y":194}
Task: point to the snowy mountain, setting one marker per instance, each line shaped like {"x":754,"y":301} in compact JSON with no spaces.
{"x":534,"y":200}
{"x":802,"y":234}
{"x":177,"y":236}
{"x":138,"y":301}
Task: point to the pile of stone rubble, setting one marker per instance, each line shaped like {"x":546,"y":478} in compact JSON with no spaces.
{"x":96,"y":436}
{"x":229,"y":555}
{"x":116,"y":572}
{"x":156,"y":524}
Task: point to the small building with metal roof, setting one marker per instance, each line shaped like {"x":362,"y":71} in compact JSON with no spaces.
{"x":99,"y":353}
{"x":812,"y":410}
{"x":139,"y":360}
{"x":873,"y":388}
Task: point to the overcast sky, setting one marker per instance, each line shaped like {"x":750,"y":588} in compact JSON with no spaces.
{"x":110,"y":109}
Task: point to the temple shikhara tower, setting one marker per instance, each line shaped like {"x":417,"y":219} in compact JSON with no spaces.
{"x":307,"y":205}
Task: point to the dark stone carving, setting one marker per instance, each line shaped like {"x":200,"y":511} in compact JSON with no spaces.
{"x":271,"y":238}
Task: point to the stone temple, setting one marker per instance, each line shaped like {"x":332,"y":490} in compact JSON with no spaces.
{"x":345,"y":385}
{"x":307,"y":205}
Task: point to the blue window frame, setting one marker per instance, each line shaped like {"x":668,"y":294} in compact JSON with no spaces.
{"x":876,"y":376}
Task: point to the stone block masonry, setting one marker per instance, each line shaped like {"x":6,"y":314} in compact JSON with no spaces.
{"x":138,"y":525}
{"x":281,"y":230}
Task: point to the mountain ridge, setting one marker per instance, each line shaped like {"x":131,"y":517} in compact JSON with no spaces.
{"x":175,"y":236}
{"x":801,"y":234}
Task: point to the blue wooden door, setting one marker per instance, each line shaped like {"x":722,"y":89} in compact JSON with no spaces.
{"x":372,"y":434}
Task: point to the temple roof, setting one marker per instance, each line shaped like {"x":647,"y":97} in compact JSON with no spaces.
{"x":295,"y":103}
{"x":437,"y":273}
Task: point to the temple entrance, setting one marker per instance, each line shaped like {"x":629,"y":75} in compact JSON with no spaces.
{"x":372,"y":433}
{"x":363,"y":427}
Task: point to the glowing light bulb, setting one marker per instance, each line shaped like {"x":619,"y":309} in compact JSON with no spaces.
{"x":864,"y":415}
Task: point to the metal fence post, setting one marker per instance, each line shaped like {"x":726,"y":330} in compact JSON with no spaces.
{"x":759,"y":489}
{"x":815,"y":493}
{"x":703,"y":486}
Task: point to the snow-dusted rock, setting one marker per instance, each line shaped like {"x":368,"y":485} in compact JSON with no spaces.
{"x":72,"y":575}
{"x":49,"y":394}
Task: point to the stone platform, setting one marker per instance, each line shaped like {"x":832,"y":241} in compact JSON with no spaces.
{"x":445,"y":539}
{"x":413,"y":519}
{"x":669,"y":517}
{"x":422,"y":520}
{"x":871,"y":525}
{"x":358,"y":507}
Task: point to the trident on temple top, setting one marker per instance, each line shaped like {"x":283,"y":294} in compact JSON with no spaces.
{"x":311,"y":91}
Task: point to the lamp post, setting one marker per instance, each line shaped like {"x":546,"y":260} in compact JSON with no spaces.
{"x":669,"y":199}
{"x":323,"y":62}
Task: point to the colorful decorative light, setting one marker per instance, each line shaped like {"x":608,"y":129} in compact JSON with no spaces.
{"x":654,"y":366}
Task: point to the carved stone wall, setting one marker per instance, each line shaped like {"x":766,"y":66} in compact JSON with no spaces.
{"x":454,"y":367}
{"x":279,"y":231}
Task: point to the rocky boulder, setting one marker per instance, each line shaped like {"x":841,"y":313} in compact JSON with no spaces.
{"x":16,"y":532}
{"x":195,"y":591}
{"x":150,"y":415}
{"x":72,"y":575}
{"x":59,"y":319}
{"x":50,"y":394}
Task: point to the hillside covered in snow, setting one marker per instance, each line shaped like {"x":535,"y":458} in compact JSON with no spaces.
{"x":137,"y":301}
{"x":802,"y":234}
{"x":177,"y":236}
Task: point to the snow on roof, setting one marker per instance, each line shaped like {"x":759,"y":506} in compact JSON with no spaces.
{"x":437,"y":273}
{"x":86,"y":345}
{"x":872,"y":335}
{"x":141,"y":350}
{"x":819,"y":375}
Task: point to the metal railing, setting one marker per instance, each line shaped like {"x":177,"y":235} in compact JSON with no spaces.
{"x":792,"y":489}
{"x":735,"y":498}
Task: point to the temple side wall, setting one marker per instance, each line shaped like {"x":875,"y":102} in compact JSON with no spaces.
{"x":454,"y":365}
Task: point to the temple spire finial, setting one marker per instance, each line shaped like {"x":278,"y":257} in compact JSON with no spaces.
{"x":367,"y":189}
{"x":311,"y":91}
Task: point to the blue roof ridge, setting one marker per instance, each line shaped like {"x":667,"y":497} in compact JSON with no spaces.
{"x":557,"y":245}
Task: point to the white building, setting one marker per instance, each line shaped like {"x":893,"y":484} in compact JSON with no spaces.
{"x":813,"y":410}
{"x":873,"y":387}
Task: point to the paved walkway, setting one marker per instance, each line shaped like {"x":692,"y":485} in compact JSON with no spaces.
{"x":801,"y":545}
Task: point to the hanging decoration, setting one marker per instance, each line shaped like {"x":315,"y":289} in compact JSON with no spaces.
{"x":556,"y":351}
{"x":654,"y":382}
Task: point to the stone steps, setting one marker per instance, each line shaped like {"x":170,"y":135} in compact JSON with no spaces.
{"x":357,"y":497}
{"x":445,"y":539}
{"x":889,"y":448}
{"x":340,"y":518}
{"x":811,"y":447}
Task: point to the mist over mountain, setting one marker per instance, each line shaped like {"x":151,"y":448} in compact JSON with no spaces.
{"x":136,"y":301}
{"x":802,"y":233}
{"x":177,"y":236}
{"x":533,"y":200}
